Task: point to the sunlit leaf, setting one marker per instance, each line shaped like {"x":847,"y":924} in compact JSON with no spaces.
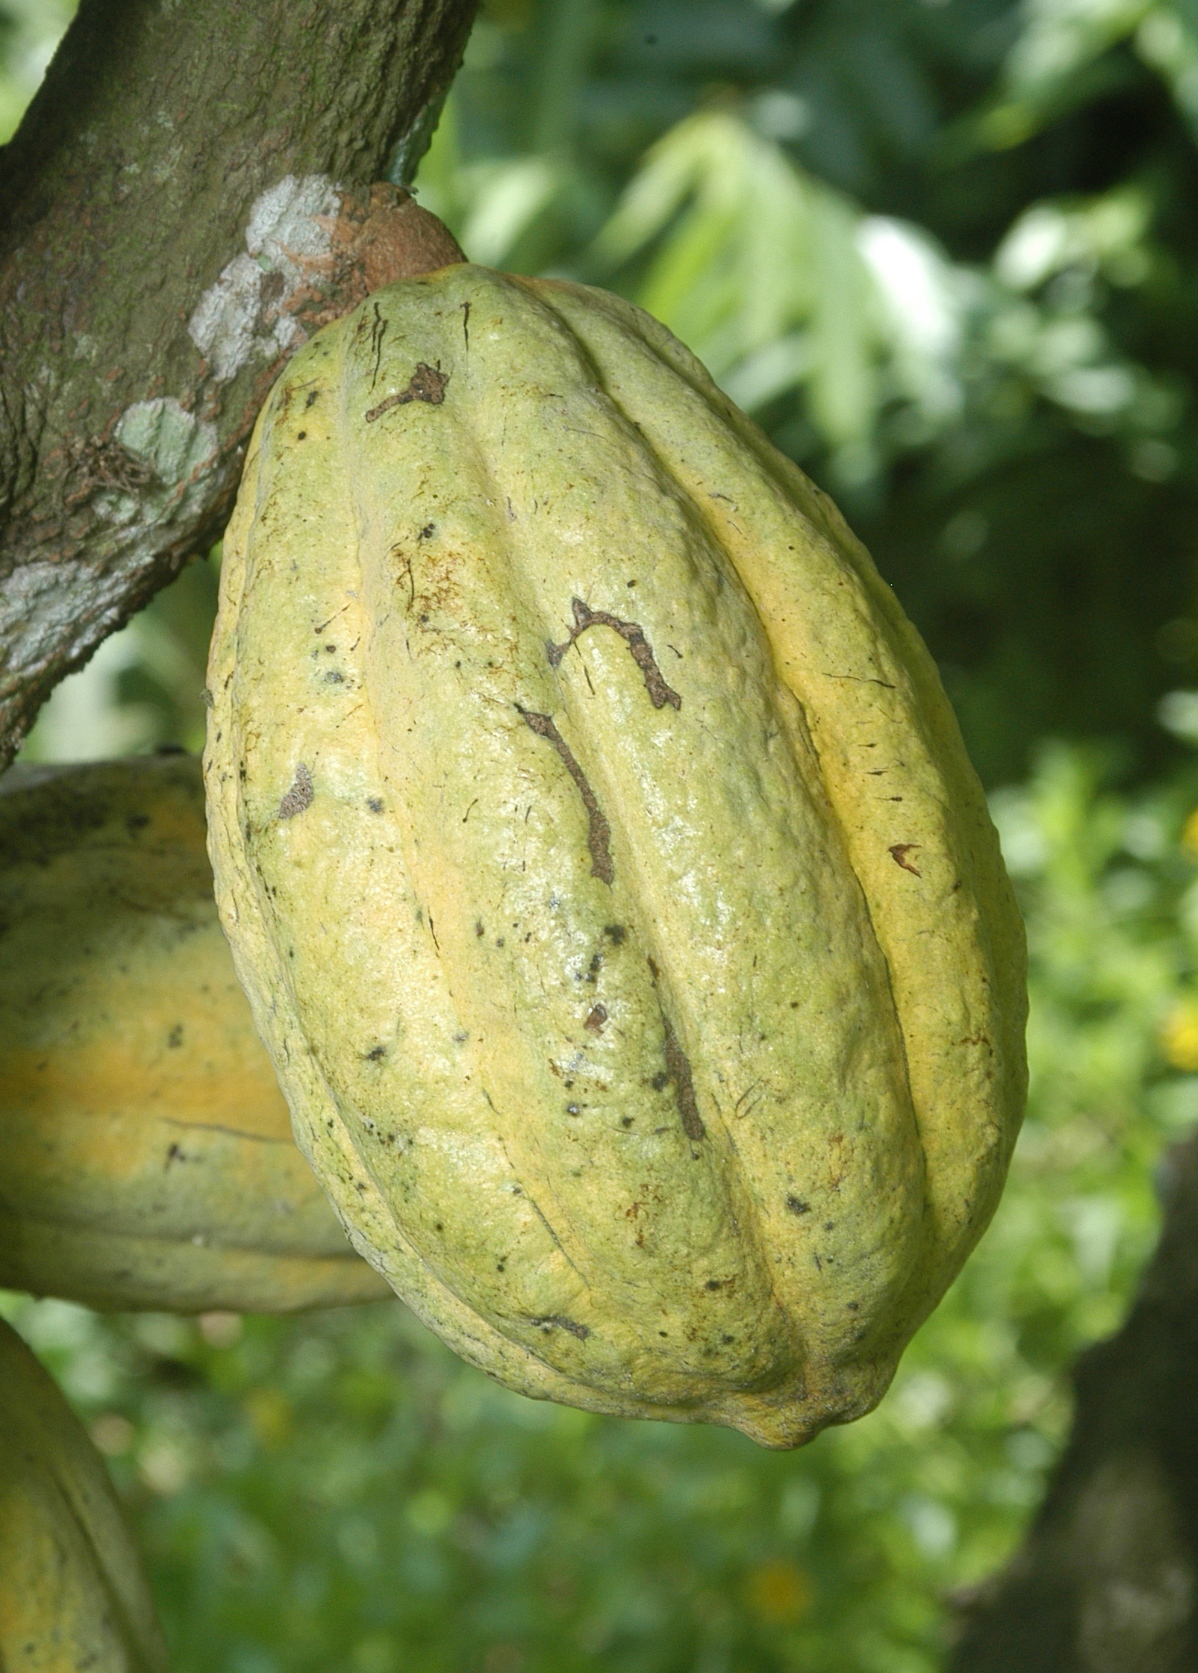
{"x":1057,"y":61}
{"x":1167,"y":39}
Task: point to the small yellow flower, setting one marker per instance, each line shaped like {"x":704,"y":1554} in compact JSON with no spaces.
{"x":1189,"y":835}
{"x":270,"y":1417}
{"x":1179,"y":1036}
{"x":780,"y":1591}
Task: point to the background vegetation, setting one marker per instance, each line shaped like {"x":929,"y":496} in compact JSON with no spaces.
{"x":944,"y":250}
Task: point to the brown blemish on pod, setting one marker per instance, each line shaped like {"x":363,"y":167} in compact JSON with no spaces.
{"x":633,"y":636}
{"x":900,"y":850}
{"x":427,"y":384}
{"x":678,"y":1065}
{"x":599,"y":834}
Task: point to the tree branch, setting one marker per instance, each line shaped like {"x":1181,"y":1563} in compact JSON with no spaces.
{"x":188,"y":197}
{"x":1107,"y":1580}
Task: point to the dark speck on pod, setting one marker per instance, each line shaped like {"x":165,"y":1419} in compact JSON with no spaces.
{"x":557,"y":1321}
{"x":300,"y":795}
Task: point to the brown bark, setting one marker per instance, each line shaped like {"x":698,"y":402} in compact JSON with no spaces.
{"x":1107,"y":1580}
{"x":189,"y":196}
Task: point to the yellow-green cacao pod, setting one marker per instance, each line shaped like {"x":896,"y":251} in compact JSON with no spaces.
{"x":146,"y":1158}
{"x":72,"y":1593}
{"x":602,"y":861}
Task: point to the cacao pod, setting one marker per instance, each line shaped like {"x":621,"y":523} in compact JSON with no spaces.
{"x":72,"y":1593}
{"x":146,"y":1158}
{"x":602,"y":861}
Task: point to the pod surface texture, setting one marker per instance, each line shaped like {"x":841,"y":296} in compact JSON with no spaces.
{"x":72,"y":1592}
{"x":146,"y":1157}
{"x":602,"y":861}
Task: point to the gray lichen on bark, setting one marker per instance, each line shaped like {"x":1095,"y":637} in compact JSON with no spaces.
{"x":192,"y":192}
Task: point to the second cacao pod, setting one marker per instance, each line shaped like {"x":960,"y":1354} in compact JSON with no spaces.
{"x":601,"y":858}
{"x":146,"y":1157}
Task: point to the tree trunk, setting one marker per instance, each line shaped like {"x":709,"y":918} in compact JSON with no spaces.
{"x":1107,"y":1580}
{"x":188,"y":197}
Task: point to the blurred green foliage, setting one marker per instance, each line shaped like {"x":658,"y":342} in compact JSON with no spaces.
{"x":944,"y":250}
{"x":29,"y":32}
